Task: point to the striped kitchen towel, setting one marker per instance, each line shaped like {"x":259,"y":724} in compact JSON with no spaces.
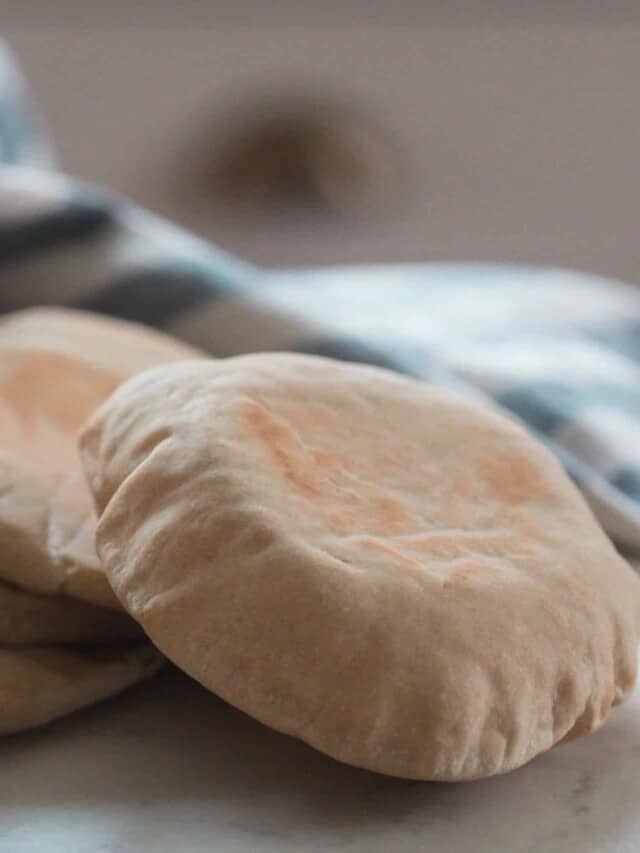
{"x":557,"y":349}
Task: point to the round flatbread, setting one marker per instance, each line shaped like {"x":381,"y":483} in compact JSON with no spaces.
{"x":37,"y":685}
{"x":27,"y":619}
{"x":117,"y":345}
{"x":56,"y":366}
{"x":405,"y":580}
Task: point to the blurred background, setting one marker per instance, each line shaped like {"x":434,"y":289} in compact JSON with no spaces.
{"x":302,"y":134}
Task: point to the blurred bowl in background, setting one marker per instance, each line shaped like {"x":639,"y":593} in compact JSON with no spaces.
{"x":303,"y":152}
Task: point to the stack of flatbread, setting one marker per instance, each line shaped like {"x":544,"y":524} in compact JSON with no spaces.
{"x":403,"y":579}
{"x":65,"y":640}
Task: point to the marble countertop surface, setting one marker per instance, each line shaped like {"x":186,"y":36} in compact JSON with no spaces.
{"x":168,"y":767}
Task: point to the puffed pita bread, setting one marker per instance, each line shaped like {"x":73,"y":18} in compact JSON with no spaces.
{"x":27,"y":619}
{"x":37,"y":685}
{"x":56,"y":366}
{"x":117,"y":345}
{"x":405,"y":580}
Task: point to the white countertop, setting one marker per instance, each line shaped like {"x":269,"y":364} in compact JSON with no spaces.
{"x":169,"y":768}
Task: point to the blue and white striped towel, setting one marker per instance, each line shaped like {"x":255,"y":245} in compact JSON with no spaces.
{"x":558,"y":349}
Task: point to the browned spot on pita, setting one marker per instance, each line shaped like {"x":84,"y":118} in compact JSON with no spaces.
{"x":306,"y":470}
{"x":283,"y":445}
{"x":444,"y":545}
{"x":464,"y":569}
{"x":511,"y":478}
{"x":311,"y":417}
{"x":339,"y":521}
{"x":328,"y":460}
{"x":468,"y":570}
{"x":41,"y":386}
{"x":461,"y":486}
{"x":373,"y":512}
{"x":44,"y":400}
{"x":377,"y":545}
{"x":390,"y":513}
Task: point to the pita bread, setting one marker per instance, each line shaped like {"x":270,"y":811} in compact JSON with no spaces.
{"x":56,"y":366}
{"x":38,"y":685}
{"x":125,"y":347}
{"x":403,"y":579}
{"x":35,"y":620}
